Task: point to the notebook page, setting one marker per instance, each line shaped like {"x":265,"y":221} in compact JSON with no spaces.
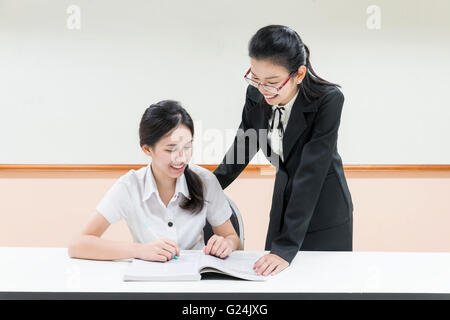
{"x":237,"y":264}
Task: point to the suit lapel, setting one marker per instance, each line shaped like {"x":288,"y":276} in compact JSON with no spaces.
{"x":297,"y":123}
{"x":261,"y":125}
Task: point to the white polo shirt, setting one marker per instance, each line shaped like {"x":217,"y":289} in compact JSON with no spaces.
{"x":135,"y":198}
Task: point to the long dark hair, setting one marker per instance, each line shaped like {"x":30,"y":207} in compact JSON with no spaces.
{"x":157,"y":121}
{"x":283,"y":46}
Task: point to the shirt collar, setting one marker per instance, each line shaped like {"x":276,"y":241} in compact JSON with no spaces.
{"x":150,"y":185}
{"x":287,"y":106}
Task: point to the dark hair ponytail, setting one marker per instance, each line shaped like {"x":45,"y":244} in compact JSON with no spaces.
{"x":311,"y":84}
{"x":156,"y":122}
{"x":283,"y":46}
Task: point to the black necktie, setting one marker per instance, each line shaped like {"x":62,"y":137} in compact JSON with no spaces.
{"x":280,"y":125}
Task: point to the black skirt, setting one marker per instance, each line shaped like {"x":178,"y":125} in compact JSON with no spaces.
{"x":338,"y":238}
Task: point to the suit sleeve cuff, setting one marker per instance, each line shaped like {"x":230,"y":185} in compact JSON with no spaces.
{"x":287,"y":254}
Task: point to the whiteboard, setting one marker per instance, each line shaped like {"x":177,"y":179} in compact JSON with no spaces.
{"x":74,"y":84}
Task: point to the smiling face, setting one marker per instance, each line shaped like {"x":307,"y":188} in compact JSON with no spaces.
{"x":171,"y":153}
{"x":270,"y":74}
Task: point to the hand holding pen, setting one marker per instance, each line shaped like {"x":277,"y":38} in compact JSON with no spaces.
{"x":161,"y":250}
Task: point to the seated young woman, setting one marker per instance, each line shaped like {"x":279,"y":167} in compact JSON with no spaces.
{"x":165,"y":204}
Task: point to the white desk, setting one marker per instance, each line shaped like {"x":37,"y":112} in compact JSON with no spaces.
{"x":49,"y":273}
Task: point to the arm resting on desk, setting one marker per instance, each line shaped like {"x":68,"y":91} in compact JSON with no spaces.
{"x":89,"y":245}
{"x":93,"y":247}
{"x":227,"y":231}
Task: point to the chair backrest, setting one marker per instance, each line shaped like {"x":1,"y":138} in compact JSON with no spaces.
{"x":236,"y":221}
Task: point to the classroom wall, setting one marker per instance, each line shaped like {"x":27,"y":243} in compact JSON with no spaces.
{"x":77,"y":95}
{"x":393,"y":211}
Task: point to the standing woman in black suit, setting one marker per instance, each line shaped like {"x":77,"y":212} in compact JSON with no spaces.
{"x":293,"y":115}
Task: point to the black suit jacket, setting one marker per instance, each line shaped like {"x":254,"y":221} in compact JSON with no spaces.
{"x":310,"y":190}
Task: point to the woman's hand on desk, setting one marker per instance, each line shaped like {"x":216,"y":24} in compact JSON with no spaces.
{"x":218,"y":246}
{"x":269,"y":264}
{"x":161,"y":250}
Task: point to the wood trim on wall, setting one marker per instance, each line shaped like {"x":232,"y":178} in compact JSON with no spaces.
{"x":211,"y":167}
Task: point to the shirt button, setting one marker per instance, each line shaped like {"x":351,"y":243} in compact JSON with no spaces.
{"x":170,"y":224}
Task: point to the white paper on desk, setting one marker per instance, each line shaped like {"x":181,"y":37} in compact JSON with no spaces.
{"x":191,"y":264}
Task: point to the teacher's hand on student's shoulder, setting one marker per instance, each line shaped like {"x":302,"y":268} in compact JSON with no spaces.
{"x":270,"y":264}
{"x":160,"y":250}
{"x":218,"y":246}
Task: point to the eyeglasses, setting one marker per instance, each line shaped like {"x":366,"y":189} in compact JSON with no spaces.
{"x":270,"y":89}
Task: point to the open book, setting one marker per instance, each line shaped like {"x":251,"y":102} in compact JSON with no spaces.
{"x":191,"y":264}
